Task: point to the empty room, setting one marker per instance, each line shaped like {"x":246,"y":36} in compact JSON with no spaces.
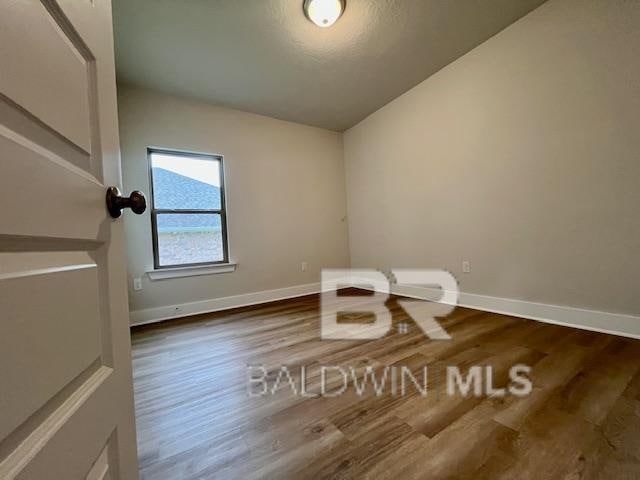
{"x":319,"y":239}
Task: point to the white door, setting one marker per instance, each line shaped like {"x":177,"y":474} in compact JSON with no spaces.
{"x":66,"y":406}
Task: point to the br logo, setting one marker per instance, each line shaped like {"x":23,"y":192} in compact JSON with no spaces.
{"x":422,"y":312}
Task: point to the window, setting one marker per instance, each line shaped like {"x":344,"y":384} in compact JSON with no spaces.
{"x":188,"y":210}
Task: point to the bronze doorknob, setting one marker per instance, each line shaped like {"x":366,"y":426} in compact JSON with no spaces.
{"x":116,"y":202}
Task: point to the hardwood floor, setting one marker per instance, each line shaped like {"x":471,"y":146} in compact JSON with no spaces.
{"x":197,"y":420}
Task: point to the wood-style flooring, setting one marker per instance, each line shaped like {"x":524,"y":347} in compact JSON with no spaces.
{"x":196,"y":419}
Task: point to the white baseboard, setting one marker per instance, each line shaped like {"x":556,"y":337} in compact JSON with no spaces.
{"x":603,"y":322}
{"x":152,"y":315}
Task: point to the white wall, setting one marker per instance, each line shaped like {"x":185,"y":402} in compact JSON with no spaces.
{"x":522,"y":157}
{"x":284,"y":186}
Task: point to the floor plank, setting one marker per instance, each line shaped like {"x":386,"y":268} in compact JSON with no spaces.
{"x":196,"y":419}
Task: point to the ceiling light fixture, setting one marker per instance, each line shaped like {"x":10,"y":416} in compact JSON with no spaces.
{"x":323,"y":13}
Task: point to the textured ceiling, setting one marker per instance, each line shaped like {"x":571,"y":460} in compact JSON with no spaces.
{"x":264,"y":56}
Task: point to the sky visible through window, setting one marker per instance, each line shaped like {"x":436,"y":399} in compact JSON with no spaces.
{"x":193,"y":167}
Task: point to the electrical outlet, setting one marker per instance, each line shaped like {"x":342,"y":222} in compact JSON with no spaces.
{"x":303,"y":267}
{"x":466,"y":266}
{"x":137,"y":283}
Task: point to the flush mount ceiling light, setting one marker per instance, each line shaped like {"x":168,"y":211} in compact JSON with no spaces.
{"x":323,"y":13}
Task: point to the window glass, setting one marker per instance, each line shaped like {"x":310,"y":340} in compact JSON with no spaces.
{"x":186,"y":183}
{"x":189,"y":238}
{"x":188,"y":217}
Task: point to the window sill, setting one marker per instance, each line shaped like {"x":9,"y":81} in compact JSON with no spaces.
{"x":166,"y":273}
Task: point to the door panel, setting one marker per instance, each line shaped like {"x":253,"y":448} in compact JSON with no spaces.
{"x":100,"y":469}
{"x":66,"y":406}
{"x":52,"y":73}
{"x":31,"y":133}
{"x":55,"y":355}
{"x":58,"y":192}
